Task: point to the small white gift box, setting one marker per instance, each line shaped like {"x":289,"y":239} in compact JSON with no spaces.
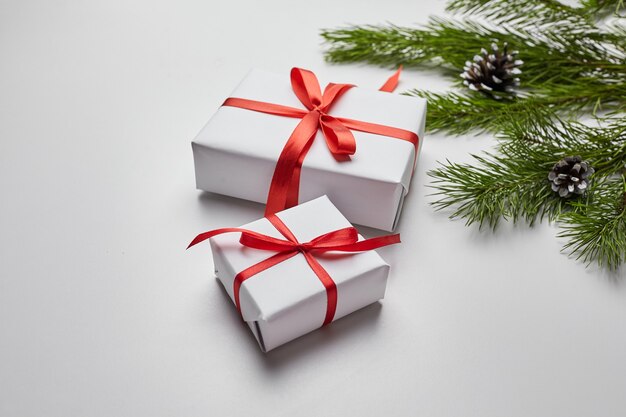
{"x":236,"y":152}
{"x":290,"y":298}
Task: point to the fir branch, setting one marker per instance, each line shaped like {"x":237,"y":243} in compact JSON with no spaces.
{"x":602,"y":8}
{"x":512,"y":183}
{"x":520,"y":12}
{"x":379,"y":45}
{"x":570,"y":48}
{"x":542,"y":132}
{"x":597,"y":231}
{"x":459,"y":114}
{"x":496,"y":188}
{"x":570,"y":64}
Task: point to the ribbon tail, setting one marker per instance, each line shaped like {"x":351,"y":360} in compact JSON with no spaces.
{"x":206,"y":235}
{"x":248,"y":238}
{"x":392,"y":82}
{"x":329,"y":284}
{"x":284,"y":188}
{"x":364,"y":245}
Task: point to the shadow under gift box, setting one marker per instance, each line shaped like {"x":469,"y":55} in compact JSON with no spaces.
{"x":288,"y":300}
{"x":236,"y":152}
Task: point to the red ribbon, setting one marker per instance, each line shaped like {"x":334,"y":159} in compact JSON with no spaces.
{"x":342,"y":240}
{"x":337,"y":131}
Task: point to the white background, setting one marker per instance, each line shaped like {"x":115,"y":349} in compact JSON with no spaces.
{"x":103,"y":313}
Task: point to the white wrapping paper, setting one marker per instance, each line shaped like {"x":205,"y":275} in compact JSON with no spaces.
{"x":288,"y":300}
{"x":236,"y":152}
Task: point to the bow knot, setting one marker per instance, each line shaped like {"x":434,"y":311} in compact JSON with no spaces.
{"x":339,"y":138}
{"x":301,"y":248}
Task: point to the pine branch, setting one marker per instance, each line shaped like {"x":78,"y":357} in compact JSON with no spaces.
{"x":546,"y":11}
{"x":602,"y":8}
{"x":597,"y":231}
{"x":495,"y":188}
{"x":570,"y":64}
{"x":565,"y":53}
{"x":459,"y":113}
{"x":520,"y":12}
{"x":512,"y":183}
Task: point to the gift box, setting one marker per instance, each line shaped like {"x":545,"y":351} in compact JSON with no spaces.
{"x":284,"y":288}
{"x":238,"y":150}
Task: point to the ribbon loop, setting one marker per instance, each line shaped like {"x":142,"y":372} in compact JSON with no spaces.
{"x":332,"y":93}
{"x":333,"y":239}
{"x":306,"y":87}
{"x":266,"y":242}
{"x":339,"y":138}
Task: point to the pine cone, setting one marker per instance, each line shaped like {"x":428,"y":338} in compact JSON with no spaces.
{"x":570,"y":176}
{"x":493,"y":74}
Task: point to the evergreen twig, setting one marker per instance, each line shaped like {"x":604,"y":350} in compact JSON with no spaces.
{"x":512,"y":184}
{"x":597,"y":232}
{"x":571,"y":64}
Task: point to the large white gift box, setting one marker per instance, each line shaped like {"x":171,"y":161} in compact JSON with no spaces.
{"x":236,"y":152}
{"x":288,"y":299}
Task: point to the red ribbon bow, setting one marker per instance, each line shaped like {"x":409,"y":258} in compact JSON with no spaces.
{"x":342,"y":240}
{"x":337,"y":131}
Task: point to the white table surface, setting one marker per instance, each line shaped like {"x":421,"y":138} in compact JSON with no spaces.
{"x":103,"y":313}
